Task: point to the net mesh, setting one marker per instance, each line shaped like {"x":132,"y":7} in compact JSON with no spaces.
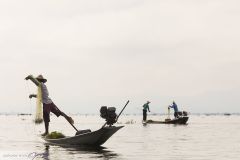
{"x":39,"y":108}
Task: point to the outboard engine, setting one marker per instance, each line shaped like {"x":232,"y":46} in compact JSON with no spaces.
{"x":103,"y":112}
{"x":185,"y":113}
{"x":182,"y":114}
{"x":109,"y":114}
{"x":179,"y":113}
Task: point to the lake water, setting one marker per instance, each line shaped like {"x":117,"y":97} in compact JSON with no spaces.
{"x":204,"y":138}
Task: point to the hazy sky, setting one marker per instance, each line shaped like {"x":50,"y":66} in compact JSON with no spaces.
{"x":104,"y":52}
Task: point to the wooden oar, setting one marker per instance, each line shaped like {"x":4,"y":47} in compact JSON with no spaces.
{"x":70,"y":120}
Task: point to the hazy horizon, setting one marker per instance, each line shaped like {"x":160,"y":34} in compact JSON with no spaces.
{"x":97,"y":53}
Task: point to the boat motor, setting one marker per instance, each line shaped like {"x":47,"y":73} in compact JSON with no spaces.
{"x":185,"y":113}
{"x":109,"y":114}
{"x":182,"y":113}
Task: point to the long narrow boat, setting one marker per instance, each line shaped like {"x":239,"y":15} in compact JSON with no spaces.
{"x":95,"y":138}
{"x":180,"y":120}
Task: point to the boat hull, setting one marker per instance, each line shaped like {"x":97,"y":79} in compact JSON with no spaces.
{"x":180,"y":120}
{"x":95,"y":138}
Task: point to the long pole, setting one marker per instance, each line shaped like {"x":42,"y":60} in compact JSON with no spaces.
{"x":168,"y":113}
{"x":122,"y":110}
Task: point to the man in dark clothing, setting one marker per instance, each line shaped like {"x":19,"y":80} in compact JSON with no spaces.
{"x":174,"y":106}
{"x":145,"y":108}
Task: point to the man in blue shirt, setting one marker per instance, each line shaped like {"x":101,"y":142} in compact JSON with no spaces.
{"x":145,"y":108}
{"x":174,"y":106}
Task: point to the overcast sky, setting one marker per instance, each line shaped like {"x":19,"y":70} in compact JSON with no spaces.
{"x":105,"y":52}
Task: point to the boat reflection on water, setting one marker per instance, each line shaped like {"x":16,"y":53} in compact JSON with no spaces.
{"x":88,"y":152}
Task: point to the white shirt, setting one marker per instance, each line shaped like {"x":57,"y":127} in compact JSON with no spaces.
{"x":45,"y":94}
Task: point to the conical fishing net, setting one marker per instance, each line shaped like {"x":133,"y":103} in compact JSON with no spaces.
{"x":39,"y":109}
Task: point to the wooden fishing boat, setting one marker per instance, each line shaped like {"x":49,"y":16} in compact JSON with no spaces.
{"x":180,"y":120}
{"x":95,"y":138}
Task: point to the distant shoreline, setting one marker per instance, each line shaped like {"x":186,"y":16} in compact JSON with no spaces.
{"x":137,"y":114}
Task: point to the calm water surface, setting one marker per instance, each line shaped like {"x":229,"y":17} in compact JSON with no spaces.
{"x":204,"y":138}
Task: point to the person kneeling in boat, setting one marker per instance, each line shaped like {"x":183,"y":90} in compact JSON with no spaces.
{"x":48,"y":105}
{"x":175,"y":107}
{"x":145,"y":108}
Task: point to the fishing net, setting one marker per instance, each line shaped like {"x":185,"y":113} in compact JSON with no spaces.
{"x":39,"y":108}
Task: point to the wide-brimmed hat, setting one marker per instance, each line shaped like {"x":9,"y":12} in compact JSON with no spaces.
{"x":41,"y":78}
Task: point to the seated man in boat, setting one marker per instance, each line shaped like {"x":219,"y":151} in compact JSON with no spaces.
{"x":48,"y":105}
{"x":145,"y":108}
{"x":175,"y":107}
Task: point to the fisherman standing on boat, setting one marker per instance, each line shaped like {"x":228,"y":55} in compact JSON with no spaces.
{"x":145,"y":108}
{"x":174,"y":106}
{"x":48,"y":105}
